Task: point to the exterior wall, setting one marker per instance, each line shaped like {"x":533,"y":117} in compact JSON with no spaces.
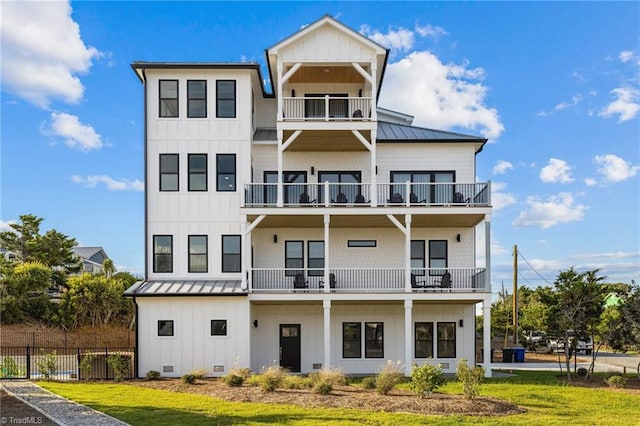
{"x":192,"y":345}
{"x":327,"y":44}
{"x":265,"y":110}
{"x":265,"y":338}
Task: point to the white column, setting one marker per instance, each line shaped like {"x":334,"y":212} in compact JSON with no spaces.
{"x":408,"y":337}
{"x":374,"y":90}
{"x":326,"y":306}
{"x":374,"y":164}
{"x":486,"y":335}
{"x":487,"y":261}
{"x":407,"y":253}
{"x":244,"y":252}
{"x":279,"y":69}
{"x":327,"y":287}
{"x":280,"y":197}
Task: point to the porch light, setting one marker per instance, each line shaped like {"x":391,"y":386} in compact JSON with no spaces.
{"x":458,"y":238}
{"x":461,"y":323}
{"x":275,"y":238}
{"x":255,"y":323}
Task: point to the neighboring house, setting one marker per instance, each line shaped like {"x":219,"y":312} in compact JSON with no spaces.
{"x":308,"y":227}
{"x":91,"y":257}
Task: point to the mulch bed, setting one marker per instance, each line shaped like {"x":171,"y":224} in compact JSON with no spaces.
{"x":343,"y":397}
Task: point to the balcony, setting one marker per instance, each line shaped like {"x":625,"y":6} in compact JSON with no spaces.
{"x":361,"y":194}
{"x":326,"y":108}
{"x":367,"y":280}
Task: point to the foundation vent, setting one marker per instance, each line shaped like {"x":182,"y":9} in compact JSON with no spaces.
{"x":167,"y":368}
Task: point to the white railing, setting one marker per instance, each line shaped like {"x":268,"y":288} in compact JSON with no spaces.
{"x":278,"y":280}
{"x":359,"y":194}
{"x":326,"y":108}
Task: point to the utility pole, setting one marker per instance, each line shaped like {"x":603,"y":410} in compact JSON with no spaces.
{"x":515,"y":294}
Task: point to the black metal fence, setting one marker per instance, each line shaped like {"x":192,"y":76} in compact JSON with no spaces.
{"x":54,"y":338}
{"x":66,"y":363}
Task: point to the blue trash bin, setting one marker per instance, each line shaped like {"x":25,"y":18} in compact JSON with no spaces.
{"x":518,"y":354}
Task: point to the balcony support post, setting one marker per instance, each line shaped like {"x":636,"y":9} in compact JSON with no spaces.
{"x":486,"y":334}
{"x":487,"y":248}
{"x":373,"y":196}
{"x":374,"y":90}
{"x":279,"y":69}
{"x":408,"y":338}
{"x":280,"y":193}
{"x":326,"y":306}
{"x":327,"y":281}
{"x":407,"y":253}
{"x":244,"y":254}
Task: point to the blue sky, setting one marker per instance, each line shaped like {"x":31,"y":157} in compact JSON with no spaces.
{"x":554,"y":86}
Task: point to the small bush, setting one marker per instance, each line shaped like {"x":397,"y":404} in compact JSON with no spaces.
{"x":47,"y":365}
{"x":153,"y":375}
{"x":120,"y":365}
{"x":616,"y":381}
{"x":272,"y":378}
{"x":390,"y":375}
{"x":471,"y":377}
{"x":10,"y":368}
{"x":188,"y":379}
{"x":253,"y":380}
{"x":233,"y":380}
{"x":426,"y":379}
{"x":199,"y":373}
{"x":582,"y":372}
{"x":322,"y":388}
{"x":297,"y":382}
{"x":369,"y":383}
{"x":333,"y":376}
{"x":86,"y":366}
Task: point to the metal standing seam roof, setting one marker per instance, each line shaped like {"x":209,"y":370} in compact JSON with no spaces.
{"x":186,"y":288}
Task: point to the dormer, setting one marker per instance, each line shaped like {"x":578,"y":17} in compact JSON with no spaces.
{"x":326,"y":72}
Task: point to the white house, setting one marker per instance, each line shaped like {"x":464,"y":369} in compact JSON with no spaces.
{"x":309,"y":227}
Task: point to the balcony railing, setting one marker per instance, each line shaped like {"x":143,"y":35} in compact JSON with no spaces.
{"x":360,"y":194}
{"x":326,"y":108}
{"x":390,"y":280}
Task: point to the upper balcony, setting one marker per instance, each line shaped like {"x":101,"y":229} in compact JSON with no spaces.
{"x":327,"y":109}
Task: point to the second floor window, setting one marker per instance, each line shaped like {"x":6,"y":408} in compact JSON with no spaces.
{"x":225,"y":98}
{"x":437,"y":257}
{"x":315,"y":258}
{"x":162,"y":253}
{"x":169,"y":172}
{"x":198,"y":253}
{"x":197,"y":172}
{"x":231,"y":253}
{"x":168,"y":98}
{"x":226,"y":172}
{"x":293,"y":257}
{"x":196,"y":98}
{"x":417,"y":257}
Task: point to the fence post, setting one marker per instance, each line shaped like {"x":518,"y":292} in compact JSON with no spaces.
{"x":79,"y":378}
{"x":28,"y":362}
{"x":106,"y":364}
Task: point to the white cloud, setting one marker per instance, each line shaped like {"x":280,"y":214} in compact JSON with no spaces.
{"x":556,"y":171}
{"x":590,"y":182}
{"x":500,"y":199}
{"x":430,"y":31}
{"x":626,"y":105}
{"x":555,"y":210}
{"x":440,"y":95}
{"x":76,"y":134}
{"x":42,"y":52}
{"x":575,"y":100}
{"x":614,"y":168}
{"x":400,"y":40}
{"x":111,"y":183}
{"x":625,"y":56}
{"x":501,"y":167}
{"x":610,"y":255}
{"x":5,"y":225}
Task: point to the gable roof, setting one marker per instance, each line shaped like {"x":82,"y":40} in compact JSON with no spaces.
{"x":88,"y":252}
{"x":393,"y":132}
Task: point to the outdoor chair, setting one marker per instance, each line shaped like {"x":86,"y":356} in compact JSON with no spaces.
{"x":360,"y":199}
{"x":396,"y":198}
{"x":341,"y":198}
{"x":444,"y":281}
{"x":417,"y":284}
{"x":332,"y":281}
{"x":300,"y":282}
{"x":413,"y":198}
{"x":458,"y":198}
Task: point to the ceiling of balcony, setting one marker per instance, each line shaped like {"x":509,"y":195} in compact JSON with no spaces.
{"x":326,"y":140}
{"x":326,"y":74}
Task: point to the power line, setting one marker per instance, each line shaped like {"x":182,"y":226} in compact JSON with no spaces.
{"x":532,"y":268}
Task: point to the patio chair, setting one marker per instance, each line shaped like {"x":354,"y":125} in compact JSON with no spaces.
{"x":300,"y":282}
{"x":396,"y":198}
{"x":417,"y":284}
{"x":332,"y":281}
{"x":444,"y":281}
{"x":458,"y":198}
{"x":413,"y":198}
{"x":341,"y":198}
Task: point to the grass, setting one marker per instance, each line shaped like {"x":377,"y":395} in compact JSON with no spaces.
{"x":546,"y":400}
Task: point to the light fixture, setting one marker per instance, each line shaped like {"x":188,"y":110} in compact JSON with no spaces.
{"x":255,"y":323}
{"x":458,"y":238}
{"x":313,"y":171}
{"x":460,"y":322}
{"x":275,"y":238}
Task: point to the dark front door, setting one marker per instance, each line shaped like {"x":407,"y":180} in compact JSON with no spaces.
{"x":290,"y":347}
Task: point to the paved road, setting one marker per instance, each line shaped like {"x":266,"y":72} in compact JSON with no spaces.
{"x":606,"y":362}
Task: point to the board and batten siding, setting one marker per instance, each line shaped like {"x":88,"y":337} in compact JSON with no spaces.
{"x":192,"y":346}
{"x":327,"y":44}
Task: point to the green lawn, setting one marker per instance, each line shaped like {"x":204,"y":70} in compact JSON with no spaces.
{"x":546,"y":401}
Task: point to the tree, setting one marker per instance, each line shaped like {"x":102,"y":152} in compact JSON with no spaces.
{"x":23,"y":292}
{"x":22,"y":237}
{"x":108,"y":267}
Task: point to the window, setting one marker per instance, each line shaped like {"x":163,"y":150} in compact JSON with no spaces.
{"x":315,"y":258}
{"x":373,"y":340}
{"x":218,"y":327}
{"x":293,"y":257}
{"x":424,"y":340}
{"x":427,"y":187}
{"x":198,"y":253}
{"x":446,"y":340}
{"x":292,"y":186}
{"x":351,"y":343}
{"x":165,"y":327}
{"x":169,"y":172}
{"x":315,"y":106}
{"x":226,"y":98}
{"x":168,"y":98}
{"x":196,"y":98}
{"x":226,"y":168}
{"x":231,"y":253}
{"x":417,"y":257}
{"x":361,"y":243}
{"x":162,"y":253}
{"x":197,"y":172}
{"x":437,"y":257}
{"x":346,"y":189}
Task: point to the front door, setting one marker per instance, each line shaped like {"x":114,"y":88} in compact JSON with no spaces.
{"x":290,"y":347}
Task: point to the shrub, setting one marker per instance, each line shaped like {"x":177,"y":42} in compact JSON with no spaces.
{"x":199,"y":373}
{"x":153,"y":375}
{"x":333,"y":376}
{"x":389,"y":377}
{"x":616,"y":381}
{"x":47,"y":365}
{"x":582,"y":372}
{"x":272,"y":378}
{"x":369,"y":382}
{"x":470,"y":378}
{"x":86,"y":365}
{"x":297,"y":382}
{"x":426,"y":379}
{"x":120,"y":365}
{"x":188,"y":379}
{"x":254,"y":380}
{"x":233,"y":380}
{"x":322,"y":388}
{"x":10,"y":368}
